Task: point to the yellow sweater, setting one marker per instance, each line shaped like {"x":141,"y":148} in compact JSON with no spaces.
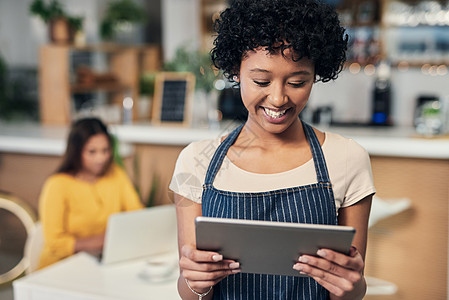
{"x":70,"y":208}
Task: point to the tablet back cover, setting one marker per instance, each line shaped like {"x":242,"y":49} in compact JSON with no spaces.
{"x":269,"y":247}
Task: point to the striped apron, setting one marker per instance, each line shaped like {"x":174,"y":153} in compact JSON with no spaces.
{"x":313,"y":204}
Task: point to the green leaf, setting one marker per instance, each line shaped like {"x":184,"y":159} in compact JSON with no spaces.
{"x":197,"y":62}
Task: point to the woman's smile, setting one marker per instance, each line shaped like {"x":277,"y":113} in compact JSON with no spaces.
{"x":275,"y":115}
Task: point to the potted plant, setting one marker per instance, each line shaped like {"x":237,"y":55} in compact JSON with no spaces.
{"x":197,"y":62}
{"x":146,"y":92}
{"x":62,"y":27}
{"x":121,"y":17}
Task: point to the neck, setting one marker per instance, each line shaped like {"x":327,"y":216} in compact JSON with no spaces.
{"x":258,"y":135}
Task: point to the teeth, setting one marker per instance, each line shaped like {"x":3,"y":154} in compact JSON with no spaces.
{"x":274,"y":114}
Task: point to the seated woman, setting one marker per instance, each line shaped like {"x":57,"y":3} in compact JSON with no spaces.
{"x":88,"y":187}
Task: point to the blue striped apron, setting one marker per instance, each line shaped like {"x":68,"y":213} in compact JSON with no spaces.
{"x":312,"y":203}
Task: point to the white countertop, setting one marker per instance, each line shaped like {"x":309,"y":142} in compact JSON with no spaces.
{"x":29,"y":138}
{"x":381,"y":141}
{"x":81,"y":276}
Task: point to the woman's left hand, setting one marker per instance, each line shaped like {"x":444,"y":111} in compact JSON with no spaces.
{"x":340,"y":274}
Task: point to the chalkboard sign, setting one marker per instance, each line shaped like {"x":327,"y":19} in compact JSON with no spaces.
{"x":173,"y":97}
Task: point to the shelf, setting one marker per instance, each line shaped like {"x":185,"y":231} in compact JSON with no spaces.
{"x":57,"y":86}
{"x":421,"y":25}
{"x":105,"y":87}
{"x":109,"y":47}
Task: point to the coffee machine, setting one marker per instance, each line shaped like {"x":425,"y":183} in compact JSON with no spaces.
{"x":381,"y":100}
{"x":431,"y":115}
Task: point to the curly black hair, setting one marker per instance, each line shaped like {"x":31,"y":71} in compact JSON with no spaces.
{"x":311,"y":28}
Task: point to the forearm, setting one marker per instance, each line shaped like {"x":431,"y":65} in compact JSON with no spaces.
{"x":90,"y":244}
{"x":357,"y":294}
{"x":187,"y":294}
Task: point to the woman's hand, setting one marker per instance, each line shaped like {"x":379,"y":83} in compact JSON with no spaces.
{"x":92,"y":244}
{"x":341,"y":275}
{"x":203,"y":269}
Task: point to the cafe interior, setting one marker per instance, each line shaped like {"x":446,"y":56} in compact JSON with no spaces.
{"x":143,"y":67}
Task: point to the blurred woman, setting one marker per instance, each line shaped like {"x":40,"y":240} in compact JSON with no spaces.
{"x":87,"y":188}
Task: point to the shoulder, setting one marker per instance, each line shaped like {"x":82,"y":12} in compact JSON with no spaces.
{"x":59,"y":179}
{"x":116,"y":170}
{"x":349,"y":168}
{"x":191,"y":167}
{"x":342,"y":145}
{"x":115,"y":173}
{"x":58,"y":183}
{"x":199,"y":151}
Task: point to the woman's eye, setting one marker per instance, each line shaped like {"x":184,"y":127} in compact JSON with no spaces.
{"x":261,"y":83}
{"x":297,"y":84}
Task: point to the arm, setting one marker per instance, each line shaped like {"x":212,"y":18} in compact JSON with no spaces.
{"x":202,"y":269}
{"x":129,"y":197}
{"x":53,"y":212}
{"x":91,"y":244}
{"x":342,"y":275}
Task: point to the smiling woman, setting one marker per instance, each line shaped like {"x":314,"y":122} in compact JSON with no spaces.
{"x":275,"y":167}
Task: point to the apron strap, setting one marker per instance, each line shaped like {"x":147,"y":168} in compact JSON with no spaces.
{"x":219,"y":155}
{"x":317,"y":153}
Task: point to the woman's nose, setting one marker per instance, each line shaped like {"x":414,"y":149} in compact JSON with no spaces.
{"x":277,"y":96}
{"x":102,"y":157}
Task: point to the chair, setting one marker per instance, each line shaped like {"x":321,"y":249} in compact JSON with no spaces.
{"x":33,"y":248}
{"x":27,"y":217}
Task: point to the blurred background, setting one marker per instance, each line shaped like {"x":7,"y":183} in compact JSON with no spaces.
{"x":408,"y":38}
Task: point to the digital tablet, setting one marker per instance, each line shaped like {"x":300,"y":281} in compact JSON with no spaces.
{"x":265,"y":247}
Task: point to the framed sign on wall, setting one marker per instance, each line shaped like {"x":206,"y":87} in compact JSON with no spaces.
{"x":173,"y":93}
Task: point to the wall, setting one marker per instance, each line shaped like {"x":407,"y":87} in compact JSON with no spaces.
{"x":350,"y":95}
{"x":21,"y":34}
{"x":180,"y":25}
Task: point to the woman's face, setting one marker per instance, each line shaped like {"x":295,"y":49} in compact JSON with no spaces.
{"x":96,"y":154}
{"x":274,"y":88}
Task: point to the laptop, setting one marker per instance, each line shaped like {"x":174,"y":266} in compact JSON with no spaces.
{"x":139,"y":234}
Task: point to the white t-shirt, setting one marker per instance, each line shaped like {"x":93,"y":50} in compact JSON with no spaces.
{"x":347,"y":162}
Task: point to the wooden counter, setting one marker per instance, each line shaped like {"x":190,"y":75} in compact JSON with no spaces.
{"x":411,"y":249}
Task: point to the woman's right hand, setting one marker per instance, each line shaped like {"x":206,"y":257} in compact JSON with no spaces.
{"x":203,"y":269}
{"x":92,"y":244}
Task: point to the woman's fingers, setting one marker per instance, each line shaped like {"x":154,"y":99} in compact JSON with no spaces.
{"x":334,"y":262}
{"x":337,"y":272}
{"x":353,"y":260}
{"x":331,"y":263}
{"x":328,"y":272}
{"x":200,"y":256}
{"x":186,"y":263}
{"x":205,"y":268}
{"x":205,"y":260}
